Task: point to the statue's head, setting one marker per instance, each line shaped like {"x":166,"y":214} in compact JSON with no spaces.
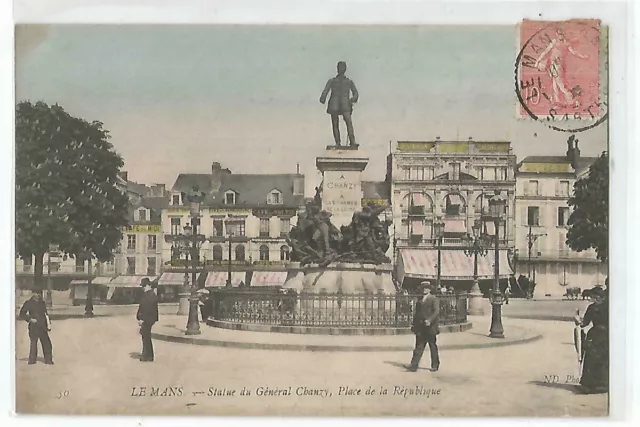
{"x":342,"y":67}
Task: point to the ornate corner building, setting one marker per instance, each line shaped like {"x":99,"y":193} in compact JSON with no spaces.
{"x":450,"y":182}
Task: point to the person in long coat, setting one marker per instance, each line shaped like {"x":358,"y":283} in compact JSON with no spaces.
{"x":595,"y":348}
{"x":343,"y":95}
{"x":34,"y":312}
{"x":147,"y":316}
{"x":425,"y":327}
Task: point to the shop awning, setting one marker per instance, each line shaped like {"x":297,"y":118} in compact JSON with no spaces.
{"x":172,"y":278}
{"x":219,"y":278}
{"x":102,"y":280}
{"x":456,"y":265}
{"x":129,"y":281}
{"x":99,"y":280}
{"x":458,"y":226}
{"x":268,"y":278}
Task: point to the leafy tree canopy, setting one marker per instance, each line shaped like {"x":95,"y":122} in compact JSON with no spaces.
{"x":589,"y":221}
{"x":66,"y":194}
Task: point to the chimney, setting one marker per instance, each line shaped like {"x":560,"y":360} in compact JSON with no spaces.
{"x":215,"y":168}
{"x":298,"y":168}
{"x":158,"y":190}
{"x":124,"y":175}
{"x":298,"y":186}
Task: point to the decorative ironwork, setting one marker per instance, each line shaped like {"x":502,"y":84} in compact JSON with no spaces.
{"x":329,"y":310}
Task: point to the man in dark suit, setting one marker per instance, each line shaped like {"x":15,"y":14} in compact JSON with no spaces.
{"x":147,"y":315}
{"x":425,"y":326}
{"x":34,"y":312}
{"x":340,"y":102}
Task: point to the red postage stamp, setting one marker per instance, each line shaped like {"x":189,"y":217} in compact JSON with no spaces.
{"x":558,"y":70}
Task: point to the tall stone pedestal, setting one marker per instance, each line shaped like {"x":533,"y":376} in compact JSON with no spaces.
{"x":341,"y":169}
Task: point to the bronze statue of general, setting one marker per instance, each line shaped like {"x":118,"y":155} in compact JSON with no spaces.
{"x":343,"y":95}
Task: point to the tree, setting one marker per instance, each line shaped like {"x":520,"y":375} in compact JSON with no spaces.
{"x":589,"y":221}
{"x":66,"y":194}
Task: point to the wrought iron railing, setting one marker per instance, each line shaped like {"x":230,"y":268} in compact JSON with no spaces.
{"x":332,"y":310}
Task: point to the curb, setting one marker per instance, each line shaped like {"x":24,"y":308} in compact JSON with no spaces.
{"x":314,"y":330}
{"x":540,"y":317}
{"x":328,"y":348}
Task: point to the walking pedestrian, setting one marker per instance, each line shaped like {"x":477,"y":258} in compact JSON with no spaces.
{"x":425,"y":326}
{"x":34,"y":312}
{"x":147,"y":316}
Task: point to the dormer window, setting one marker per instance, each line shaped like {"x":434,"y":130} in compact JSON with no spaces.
{"x":175,"y":199}
{"x":142,"y":214}
{"x":274,"y":198}
{"x":230,"y":197}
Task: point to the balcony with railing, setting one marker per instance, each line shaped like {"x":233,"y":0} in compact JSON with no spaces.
{"x":559,"y":254}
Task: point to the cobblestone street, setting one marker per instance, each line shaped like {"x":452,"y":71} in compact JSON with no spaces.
{"x":97,"y":372}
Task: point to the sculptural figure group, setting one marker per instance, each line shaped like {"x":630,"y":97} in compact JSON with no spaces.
{"x":315,"y":240}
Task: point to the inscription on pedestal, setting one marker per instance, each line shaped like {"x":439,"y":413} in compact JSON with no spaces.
{"x":341,"y":195}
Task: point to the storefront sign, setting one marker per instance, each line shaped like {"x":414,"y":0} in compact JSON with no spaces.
{"x":546,"y":167}
{"x":268,"y":262}
{"x":142,"y":229}
{"x":226,"y":262}
{"x":376,"y":202}
{"x":267,"y":212}
{"x":415,"y":146}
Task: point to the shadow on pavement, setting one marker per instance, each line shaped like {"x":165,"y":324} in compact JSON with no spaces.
{"x":563,"y":386}
{"x":26,"y":359}
{"x":135,"y":355}
{"x":403,"y":365}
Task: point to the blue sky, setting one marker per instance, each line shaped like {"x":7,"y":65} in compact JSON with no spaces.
{"x":176,"y":98}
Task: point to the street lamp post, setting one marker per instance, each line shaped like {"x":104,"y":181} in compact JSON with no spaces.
{"x":478,"y":247}
{"x":229,"y":262}
{"x":496,"y":207}
{"x":189,"y":243}
{"x":531,"y":239}
{"x":438,"y":233}
{"x":88,"y":307}
{"x":53,"y":249}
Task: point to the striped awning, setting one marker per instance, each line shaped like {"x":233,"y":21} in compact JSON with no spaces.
{"x":268,"y":278}
{"x":219,"y":278}
{"x":456,"y":265}
{"x":129,"y":281}
{"x":458,"y":226}
{"x":102,"y":280}
{"x":99,"y":280}
{"x":172,"y":278}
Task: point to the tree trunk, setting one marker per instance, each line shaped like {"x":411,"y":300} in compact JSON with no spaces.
{"x":37,"y":271}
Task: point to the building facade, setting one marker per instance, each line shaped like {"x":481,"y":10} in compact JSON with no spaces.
{"x":543,"y":187}
{"x":245,"y":219}
{"x":449,"y":181}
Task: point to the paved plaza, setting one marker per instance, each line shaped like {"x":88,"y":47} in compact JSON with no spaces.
{"x":97,"y":372}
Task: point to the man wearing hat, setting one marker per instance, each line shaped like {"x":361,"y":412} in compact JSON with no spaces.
{"x":425,"y":326}
{"x":34,"y":312}
{"x":147,"y":315}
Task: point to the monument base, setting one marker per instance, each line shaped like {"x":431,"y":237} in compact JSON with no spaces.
{"x":345,"y":278}
{"x":342,"y":147}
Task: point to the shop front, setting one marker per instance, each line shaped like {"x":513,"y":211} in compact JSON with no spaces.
{"x":416,"y":265}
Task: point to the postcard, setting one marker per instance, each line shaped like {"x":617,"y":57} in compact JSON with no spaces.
{"x":313,"y":220}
